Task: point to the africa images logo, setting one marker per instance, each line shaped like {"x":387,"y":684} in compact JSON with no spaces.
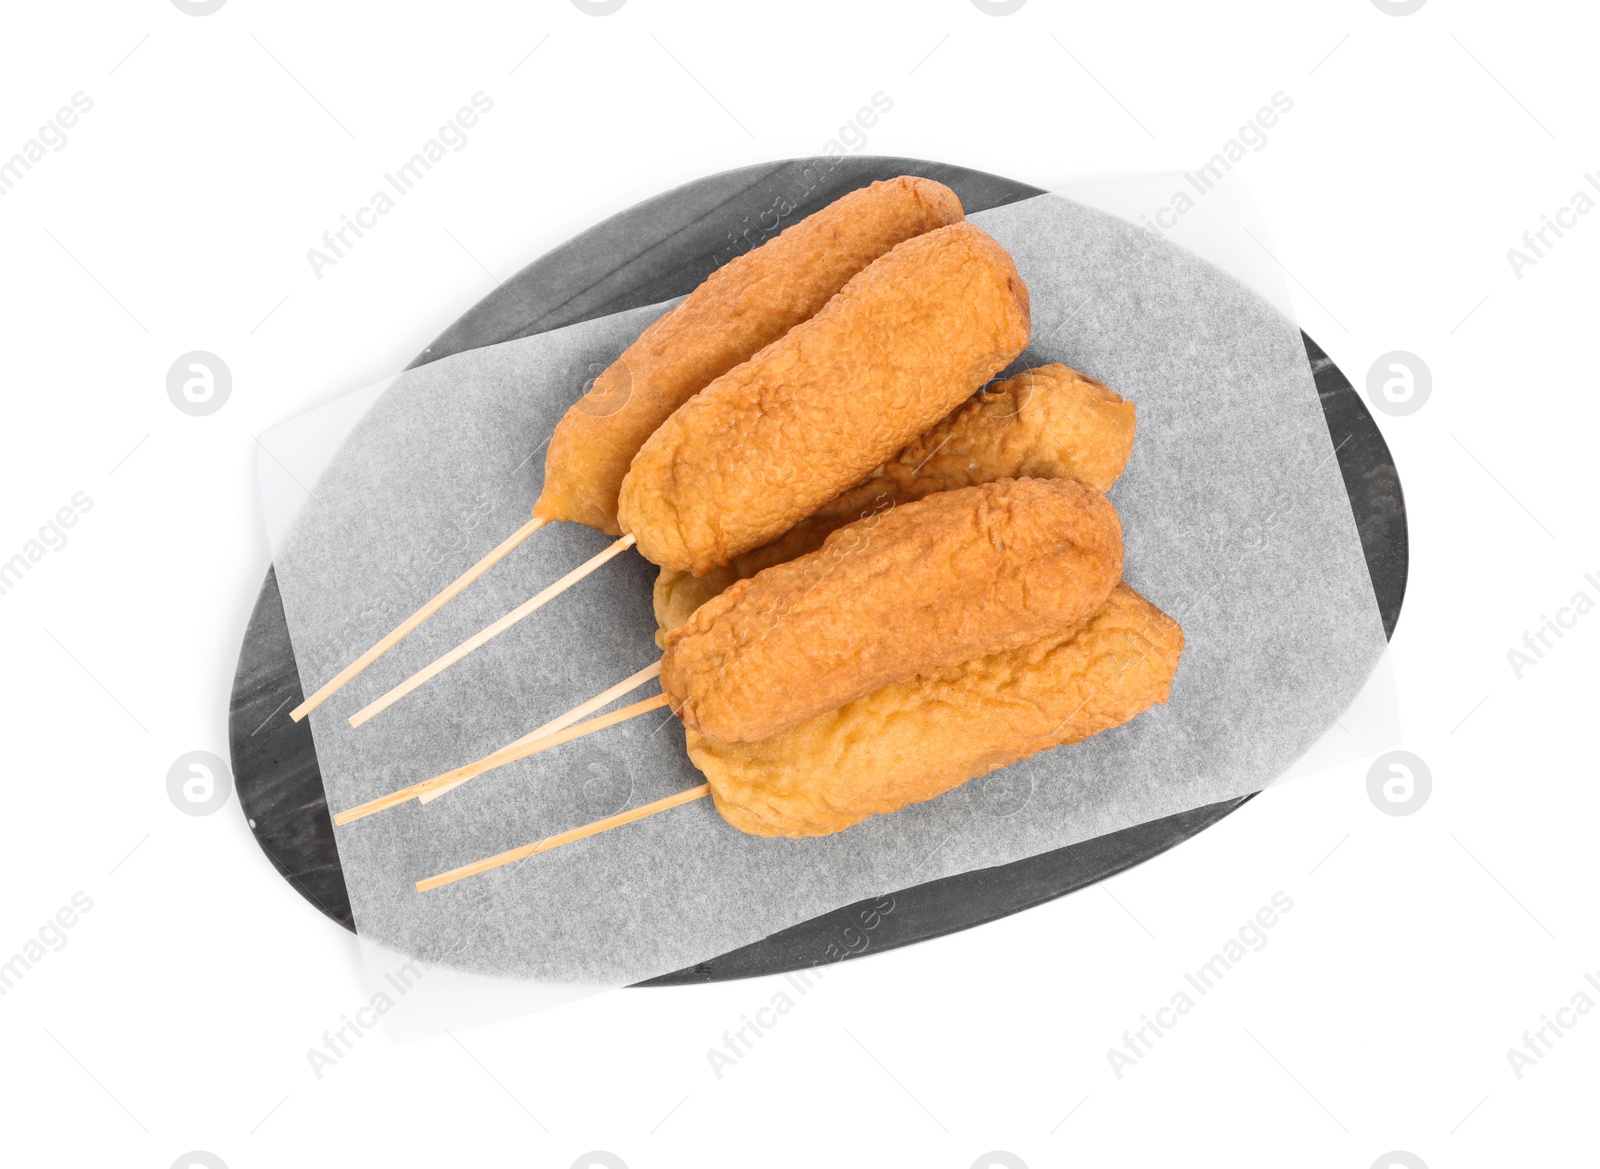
{"x":53,"y":134}
{"x":450,"y":138}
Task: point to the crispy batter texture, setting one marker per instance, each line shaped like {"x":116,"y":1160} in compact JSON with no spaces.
{"x":913,"y":740}
{"x":742,"y":307}
{"x":926,"y":585}
{"x":1045,"y":423}
{"x":772,"y":440}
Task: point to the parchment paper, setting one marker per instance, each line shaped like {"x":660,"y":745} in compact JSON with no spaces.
{"x":1235,"y":520}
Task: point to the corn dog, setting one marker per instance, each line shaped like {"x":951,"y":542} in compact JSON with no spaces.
{"x":772,"y":440}
{"x":1045,"y":423}
{"x":927,"y":585}
{"x":743,"y":306}
{"x":912,"y":740}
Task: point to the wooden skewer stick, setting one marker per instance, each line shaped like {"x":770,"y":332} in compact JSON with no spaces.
{"x":432,"y":789}
{"x":439,"y":665}
{"x":381,"y":804}
{"x":560,"y":838}
{"x":521,"y":751}
{"x":541,"y":740}
{"x":399,"y":631}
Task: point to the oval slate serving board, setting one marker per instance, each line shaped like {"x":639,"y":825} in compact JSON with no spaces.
{"x":660,"y":249}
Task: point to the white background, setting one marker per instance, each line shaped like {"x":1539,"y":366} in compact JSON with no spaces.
{"x":178,"y":1013}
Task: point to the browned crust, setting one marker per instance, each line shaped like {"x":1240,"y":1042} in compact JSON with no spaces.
{"x":926,"y":585}
{"x":913,"y":740}
{"x":1045,"y":423}
{"x":742,"y":307}
{"x":772,"y":440}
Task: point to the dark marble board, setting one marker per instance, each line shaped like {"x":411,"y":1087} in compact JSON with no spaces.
{"x":659,"y":249}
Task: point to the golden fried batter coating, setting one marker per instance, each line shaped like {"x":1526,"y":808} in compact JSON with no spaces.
{"x":928,"y":584}
{"x":742,"y":307}
{"x":772,"y":440}
{"x":916,"y":739}
{"x":1045,"y":423}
